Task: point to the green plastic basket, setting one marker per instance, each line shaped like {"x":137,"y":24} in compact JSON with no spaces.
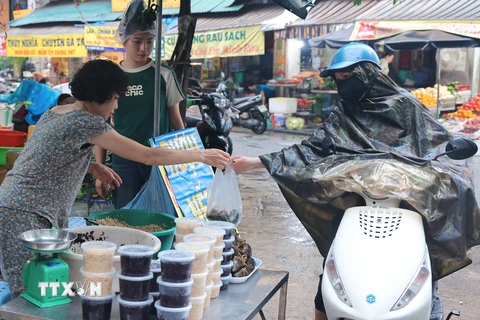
{"x":3,"y":154}
{"x":138,"y":218}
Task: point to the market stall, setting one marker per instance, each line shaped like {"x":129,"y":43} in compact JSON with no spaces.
{"x":211,"y":265}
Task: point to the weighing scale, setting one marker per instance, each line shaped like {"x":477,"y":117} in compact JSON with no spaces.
{"x":46,"y":266}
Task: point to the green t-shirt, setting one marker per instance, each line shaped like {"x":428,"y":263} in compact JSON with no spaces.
{"x":134,"y":116}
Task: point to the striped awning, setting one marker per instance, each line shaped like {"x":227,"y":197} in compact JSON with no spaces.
{"x":334,"y":12}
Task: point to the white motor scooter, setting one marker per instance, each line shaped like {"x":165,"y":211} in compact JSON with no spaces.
{"x":378,"y":267}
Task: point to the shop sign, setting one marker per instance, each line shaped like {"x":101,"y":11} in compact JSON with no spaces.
{"x":62,"y":46}
{"x":371,"y":30}
{"x":234,"y":42}
{"x":17,"y":14}
{"x":121,"y":5}
{"x":3,"y":46}
{"x":101,"y":37}
{"x":186,"y":183}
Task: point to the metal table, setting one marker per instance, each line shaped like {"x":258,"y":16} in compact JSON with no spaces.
{"x":240,"y":301}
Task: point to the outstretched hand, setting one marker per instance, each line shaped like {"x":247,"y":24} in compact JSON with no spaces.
{"x":243,"y":164}
{"x":215,"y":158}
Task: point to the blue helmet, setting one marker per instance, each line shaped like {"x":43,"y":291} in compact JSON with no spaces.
{"x":351,"y":54}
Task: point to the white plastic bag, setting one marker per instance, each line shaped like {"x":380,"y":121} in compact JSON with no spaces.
{"x":224,"y":200}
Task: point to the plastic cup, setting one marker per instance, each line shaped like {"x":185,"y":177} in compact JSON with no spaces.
{"x":200,"y":250}
{"x":164,"y":313}
{"x":135,"y":260}
{"x":210,"y":267}
{"x":216,"y":277}
{"x":208,"y":290}
{"x":91,"y":279}
{"x":134,"y":288}
{"x":202,"y":238}
{"x":187,"y":225}
{"x":156,"y":297}
{"x":228,"y":243}
{"x":157,"y":272}
{"x":176,"y":265}
{"x":227,"y":269}
{"x":227,"y":226}
{"x":217,"y":232}
{"x":216,"y":291}
{"x":178,"y":237}
{"x":217,"y":266}
{"x":97,"y":308}
{"x":135,"y":310}
{"x":98,"y":256}
{"x":218,"y":251}
{"x":174,"y":295}
{"x":227,"y":257}
{"x":198,"y":304}
{"x":199,"y":284}
{"x":225,"y":282}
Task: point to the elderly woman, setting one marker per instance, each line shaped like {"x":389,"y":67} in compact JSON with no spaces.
{"x":375,"y":121}
{"x":40,"y":190}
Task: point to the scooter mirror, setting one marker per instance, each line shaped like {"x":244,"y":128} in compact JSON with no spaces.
{"x":461,"y":149}
{"x":223,"y":75}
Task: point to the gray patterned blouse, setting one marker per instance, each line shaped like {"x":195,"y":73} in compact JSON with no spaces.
{"x":49,"y":171}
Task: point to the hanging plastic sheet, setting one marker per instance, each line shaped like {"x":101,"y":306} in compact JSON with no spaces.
{"x":384,"y":146}
{"x":37,"y":97}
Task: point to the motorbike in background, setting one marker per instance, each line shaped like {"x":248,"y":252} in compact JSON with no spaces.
{"x":248,"y":112}
{"x":208,"y":114}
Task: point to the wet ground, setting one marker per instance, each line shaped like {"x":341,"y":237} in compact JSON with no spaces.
{"x":279,"y":239}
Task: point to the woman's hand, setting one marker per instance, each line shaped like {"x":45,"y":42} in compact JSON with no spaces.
{"x":215,"y":158}
{"x":107,"y":179}
{"x":242,"y":163}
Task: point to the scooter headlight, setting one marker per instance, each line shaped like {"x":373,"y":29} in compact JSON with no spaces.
{"x":417,"y":283}
{"x":221,"y":103}
{"x":336,"y":281}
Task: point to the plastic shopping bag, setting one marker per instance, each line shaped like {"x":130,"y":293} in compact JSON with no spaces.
{"x":153,"y":196}
{"x":224,"y":200}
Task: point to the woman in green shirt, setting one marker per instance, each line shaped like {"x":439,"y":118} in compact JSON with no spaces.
{"x":134,"y":117}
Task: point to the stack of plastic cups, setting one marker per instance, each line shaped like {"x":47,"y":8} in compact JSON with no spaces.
{"x":199,"y":270}
{"x":218,"y":255}
{"x":98,"y":273}
{"x":228,"y":239}
{"x":186,"y":226}
{"x":154,"y":292}
{"x":175,"y":285}
{"x":135,"y":277}
{"x":202,"y":282}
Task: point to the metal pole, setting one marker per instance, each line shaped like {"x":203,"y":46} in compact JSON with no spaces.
{"x":158,"y":79}
{"x":439,"y":67}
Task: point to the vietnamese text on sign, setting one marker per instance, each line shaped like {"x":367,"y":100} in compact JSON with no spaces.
{"x":64,"y":46}
{"x":371,"y":30}
{"x":247,"y":41}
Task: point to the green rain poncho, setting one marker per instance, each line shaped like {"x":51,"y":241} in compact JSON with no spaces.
{"x":384,"y":146}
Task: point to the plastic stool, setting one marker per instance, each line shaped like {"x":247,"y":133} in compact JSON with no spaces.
{"x":4,"y":293}
{"x":76,"y":222}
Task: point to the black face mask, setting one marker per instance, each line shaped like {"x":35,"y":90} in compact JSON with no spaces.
{"x":351,"y":90}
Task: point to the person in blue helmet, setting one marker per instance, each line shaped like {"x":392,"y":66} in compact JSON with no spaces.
{"x":374,"y":116}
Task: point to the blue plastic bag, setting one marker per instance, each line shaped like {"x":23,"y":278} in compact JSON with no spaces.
{"x":38,"y":98}
{"x":153,"y":196}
